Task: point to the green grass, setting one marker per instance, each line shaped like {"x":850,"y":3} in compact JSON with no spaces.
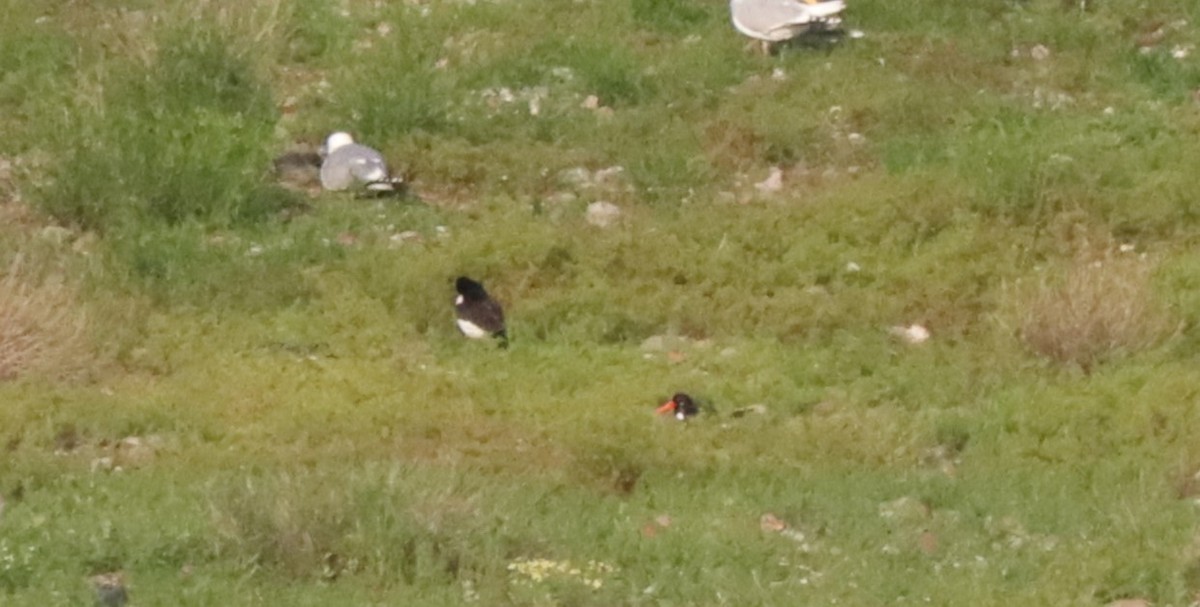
{"x":275,"y":407}
{"x":176,"y":140}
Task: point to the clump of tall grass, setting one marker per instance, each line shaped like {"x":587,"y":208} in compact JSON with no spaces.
{"x":41,"y":327}
{"x":174,"y":146}
{"x":1100,"y":305}
{"x":308,"y":525}
{"x":182,"y":138}
{"x":280,"y":527}
{"x":34,"y":65}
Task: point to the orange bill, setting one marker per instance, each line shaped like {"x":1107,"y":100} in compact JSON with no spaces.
{"x":667,"y":407}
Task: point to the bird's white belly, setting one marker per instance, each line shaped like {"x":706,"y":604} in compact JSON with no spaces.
{"x":470,"y":329}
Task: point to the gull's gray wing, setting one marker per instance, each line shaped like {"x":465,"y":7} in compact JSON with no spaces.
{"x":352,"y":166}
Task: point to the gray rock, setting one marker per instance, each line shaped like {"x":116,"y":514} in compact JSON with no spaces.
{"x":578,"y":177}
{"x":110,"y":589}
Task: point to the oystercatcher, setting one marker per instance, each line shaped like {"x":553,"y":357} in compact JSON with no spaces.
{"x":681,"y":406}
{"x":478,"y":315}
{"x":349,"y":165}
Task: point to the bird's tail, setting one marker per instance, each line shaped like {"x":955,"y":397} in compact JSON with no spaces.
{"x":391,"y":184}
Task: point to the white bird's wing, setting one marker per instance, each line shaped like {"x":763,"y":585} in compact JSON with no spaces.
{"x":775,"y":20}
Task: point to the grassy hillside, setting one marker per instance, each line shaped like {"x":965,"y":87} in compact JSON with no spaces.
{"x":231,"y":392}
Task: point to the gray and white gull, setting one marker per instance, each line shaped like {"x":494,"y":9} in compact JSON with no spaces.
{"x":347,"y":165}
{"x":780,"y":20}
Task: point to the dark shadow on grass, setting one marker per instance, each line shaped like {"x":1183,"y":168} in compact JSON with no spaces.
{"x":822,"y":39}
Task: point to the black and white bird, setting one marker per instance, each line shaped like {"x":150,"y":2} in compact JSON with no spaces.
{"x":478,"y":315}
{"x":347,"y":165}
{"x":681,"y":406}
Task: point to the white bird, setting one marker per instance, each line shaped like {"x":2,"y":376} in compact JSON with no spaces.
{"x":779,"y":20}
{"x":347,"y":165}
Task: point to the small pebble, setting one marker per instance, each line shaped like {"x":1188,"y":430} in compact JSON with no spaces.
{"x":773,"y":183}
{"x":913,"y":334}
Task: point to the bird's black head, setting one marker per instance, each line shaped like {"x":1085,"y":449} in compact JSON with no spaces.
{"x":681,"y":406}
{"x":470,"y":289}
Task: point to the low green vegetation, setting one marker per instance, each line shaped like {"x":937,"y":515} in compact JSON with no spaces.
{"x":225,"y":390}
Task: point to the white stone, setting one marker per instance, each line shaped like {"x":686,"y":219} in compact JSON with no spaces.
{"x":603,"y":214}
{"x":55,"y":234}
{"x":913,"y":334}
{"x":578,"y":177}
{"x":773,"y":183}
{"x":607,"y":174}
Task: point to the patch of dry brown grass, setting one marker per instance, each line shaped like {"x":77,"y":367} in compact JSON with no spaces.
{"x":1101,"y":304}
{"x":41,"y":325}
